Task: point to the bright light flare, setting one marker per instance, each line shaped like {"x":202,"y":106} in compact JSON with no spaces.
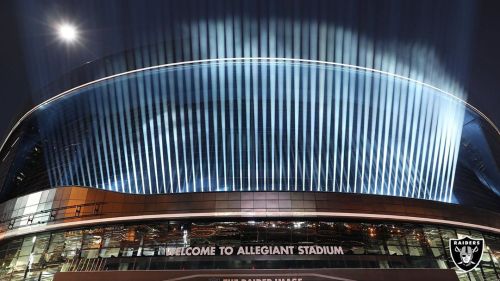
{"x":67,"y":32}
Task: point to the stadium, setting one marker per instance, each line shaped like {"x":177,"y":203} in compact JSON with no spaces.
{"x":229,"y":157}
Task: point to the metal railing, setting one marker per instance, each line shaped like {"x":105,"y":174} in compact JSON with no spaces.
{"x":51,"y":215}
{"x":84,"y":264}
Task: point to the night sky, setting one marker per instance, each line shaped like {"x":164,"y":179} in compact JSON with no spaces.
{"x":21,"y":21}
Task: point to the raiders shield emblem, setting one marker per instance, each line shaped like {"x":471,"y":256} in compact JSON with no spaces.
{"x":466,"y":252}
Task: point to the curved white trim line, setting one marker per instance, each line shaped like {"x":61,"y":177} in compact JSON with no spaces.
{"x":40,"y":228}
{"x":70,"y":91}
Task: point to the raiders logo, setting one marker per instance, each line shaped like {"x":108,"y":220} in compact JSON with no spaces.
{"x":466,"y":252}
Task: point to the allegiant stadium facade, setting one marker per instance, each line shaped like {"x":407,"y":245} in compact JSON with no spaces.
{"x":153,"y":156}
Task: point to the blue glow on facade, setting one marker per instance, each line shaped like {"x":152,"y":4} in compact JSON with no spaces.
{"x":254,"y":125}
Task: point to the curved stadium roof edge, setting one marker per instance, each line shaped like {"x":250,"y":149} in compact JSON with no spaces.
{"x":271,"y":59}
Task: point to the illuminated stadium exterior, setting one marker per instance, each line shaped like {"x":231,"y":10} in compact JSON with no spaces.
{"x":273,"y":153}
{"x":127,"y":133}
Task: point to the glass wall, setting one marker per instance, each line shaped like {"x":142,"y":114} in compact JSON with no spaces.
{"x":145,"y":247}
{"x":242,"y":125}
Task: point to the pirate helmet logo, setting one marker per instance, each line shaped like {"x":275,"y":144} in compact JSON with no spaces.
{"x":466,"y":252}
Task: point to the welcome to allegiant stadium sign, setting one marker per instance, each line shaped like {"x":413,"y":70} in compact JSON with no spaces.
{"x":254,"y":250}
